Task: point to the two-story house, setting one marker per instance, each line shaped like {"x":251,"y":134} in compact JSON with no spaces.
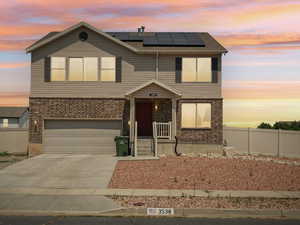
{"x":88,"y":86}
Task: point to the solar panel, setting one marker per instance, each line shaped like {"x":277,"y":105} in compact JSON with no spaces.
{"x":162,"y":38}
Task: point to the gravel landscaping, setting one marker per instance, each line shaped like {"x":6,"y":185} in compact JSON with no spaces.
{"x":207,"y":173}
{"x":199,"y":202}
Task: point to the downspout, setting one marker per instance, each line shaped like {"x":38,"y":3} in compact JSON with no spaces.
{"x":156,"y":65}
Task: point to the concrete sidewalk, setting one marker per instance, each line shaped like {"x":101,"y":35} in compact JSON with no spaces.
{"x":27,"y":202}
{"x":150,"y":192}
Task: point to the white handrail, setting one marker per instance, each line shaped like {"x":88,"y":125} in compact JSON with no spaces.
{"x":155,"y":138}
{"x":163,"y":130}
{"x":135,"y":139}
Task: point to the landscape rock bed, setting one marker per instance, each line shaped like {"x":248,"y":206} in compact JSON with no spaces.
{"x":207,"y":173}
{"x":199,"y":202}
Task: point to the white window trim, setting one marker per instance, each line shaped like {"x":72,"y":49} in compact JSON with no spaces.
{"x":83,"y":73}
{"x":197,"y":72}
{"x":108,"y":69}
{"x":99,"y":69}
{"x":196,"y":112}
{"x":64,"y":69}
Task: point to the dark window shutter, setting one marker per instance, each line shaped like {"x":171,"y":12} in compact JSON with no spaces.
{"x":118,"y":69}
{"x":178,"y":69}
{"x":215,"y":69}
{"x":47,"y":69}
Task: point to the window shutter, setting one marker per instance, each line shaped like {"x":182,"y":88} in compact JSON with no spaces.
{"x":178,"y":69}
{"x":47,"y":69}
{"x":214,"y":69}
{"x":118,"y":69}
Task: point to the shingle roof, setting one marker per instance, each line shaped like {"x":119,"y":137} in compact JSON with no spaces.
{"x":10,"y":112}
{"x":149,"y":42}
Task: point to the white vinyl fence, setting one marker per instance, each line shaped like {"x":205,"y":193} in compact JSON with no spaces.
{"x":263,"y":141}
{"x":13,"y":140}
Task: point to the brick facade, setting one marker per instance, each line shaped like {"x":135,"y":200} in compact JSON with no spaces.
{"x":70,"y":108}
{"x":80,"y":108}
{"x":214,"y":135}
{"x":164,"y":111}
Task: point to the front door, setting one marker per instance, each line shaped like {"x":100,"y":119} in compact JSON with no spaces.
{"x":143,"y":116}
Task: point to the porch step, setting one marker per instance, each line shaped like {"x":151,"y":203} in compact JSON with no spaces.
{"x":145,"y":147}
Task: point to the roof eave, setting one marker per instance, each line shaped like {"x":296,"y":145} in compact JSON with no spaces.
{"x":80,"y":24}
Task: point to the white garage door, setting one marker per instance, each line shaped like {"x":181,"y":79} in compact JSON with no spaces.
{"x":80,"y":136}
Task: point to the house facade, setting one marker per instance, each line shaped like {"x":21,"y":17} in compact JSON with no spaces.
{"x":13,"y":117}
{"x":88,"y":86}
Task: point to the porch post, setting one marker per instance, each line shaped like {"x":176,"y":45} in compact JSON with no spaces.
{"x":132,"y":120}
{"x":174,"y":128}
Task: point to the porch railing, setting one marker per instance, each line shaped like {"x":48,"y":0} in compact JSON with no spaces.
{"x":155,"y":138}
{"x":135,"y":139}
{"x":162,"y":130}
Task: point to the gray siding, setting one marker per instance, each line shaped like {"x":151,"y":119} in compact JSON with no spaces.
{"x":136,"y":70}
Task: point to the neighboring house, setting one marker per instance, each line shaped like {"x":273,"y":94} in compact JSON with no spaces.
{"x":88,"y":86}
{"x":13,"y":117}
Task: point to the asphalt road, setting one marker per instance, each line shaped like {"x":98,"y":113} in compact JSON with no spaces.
{"x":44,"y":220}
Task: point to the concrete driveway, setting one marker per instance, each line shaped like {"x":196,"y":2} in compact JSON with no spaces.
{"x":59,"y":171}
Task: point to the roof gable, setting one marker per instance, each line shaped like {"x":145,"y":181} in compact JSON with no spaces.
{"x":57,"y":35}
{"x":12,"y":112}
{"x":156,"y":83}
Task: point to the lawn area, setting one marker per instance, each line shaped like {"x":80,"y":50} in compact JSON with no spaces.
{"x":206,"y":174}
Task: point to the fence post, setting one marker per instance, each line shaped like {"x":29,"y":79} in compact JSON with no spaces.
{"x":249,"y":141}
{"x":278,"y":143}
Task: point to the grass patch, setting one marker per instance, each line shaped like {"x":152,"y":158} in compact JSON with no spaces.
{"x":4,"y":154}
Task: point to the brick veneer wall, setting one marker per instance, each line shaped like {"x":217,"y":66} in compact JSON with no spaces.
{"x":70,"y":108}
{"x":203,"y":136}
{"x":164,"y":111}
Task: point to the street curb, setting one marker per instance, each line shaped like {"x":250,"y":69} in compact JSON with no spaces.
{"x":178,"y":212}
{"x":155,"y":193}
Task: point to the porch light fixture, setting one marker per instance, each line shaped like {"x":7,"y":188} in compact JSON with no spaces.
{"x":35,"y":123}
{"x":156,"y":106}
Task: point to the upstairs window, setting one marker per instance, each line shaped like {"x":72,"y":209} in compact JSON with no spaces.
{"x":196,"y":115}
{"x":196,"y":70}
{"x":58,"y":68}
{"x":108,"y":69}
{"x":83,"y":69}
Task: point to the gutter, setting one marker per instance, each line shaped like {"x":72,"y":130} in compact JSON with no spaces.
{"x":156,"y":72}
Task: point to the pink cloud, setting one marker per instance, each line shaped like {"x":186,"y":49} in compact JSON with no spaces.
{"x":261,"y":89}
{"x":13,"y":65}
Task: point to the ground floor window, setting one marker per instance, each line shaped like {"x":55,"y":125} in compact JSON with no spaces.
{"x":196,"y":115}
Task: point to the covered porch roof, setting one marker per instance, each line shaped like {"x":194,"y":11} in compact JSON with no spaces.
{"x":154,"y":89}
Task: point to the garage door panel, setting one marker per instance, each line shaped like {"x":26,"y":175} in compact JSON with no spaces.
{"x":81,"y":132}
{"x":97,"y":138}
{"x":78,"y":141}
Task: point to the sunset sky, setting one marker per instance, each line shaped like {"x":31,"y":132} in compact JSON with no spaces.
{"x":261,"y":72}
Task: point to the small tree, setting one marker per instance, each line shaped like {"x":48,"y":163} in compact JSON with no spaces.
{"x":293,"y":125}
{"x":265,"y":126}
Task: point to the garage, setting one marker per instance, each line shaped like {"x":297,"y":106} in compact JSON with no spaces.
{"x":81,"y":136}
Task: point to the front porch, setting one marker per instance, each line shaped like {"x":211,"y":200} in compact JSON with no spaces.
{"x":152,"y":117}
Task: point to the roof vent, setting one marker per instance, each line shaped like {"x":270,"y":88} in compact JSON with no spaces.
{"x":141,"y":29}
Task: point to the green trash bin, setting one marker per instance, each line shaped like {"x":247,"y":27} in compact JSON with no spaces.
{"x":121,"y":145}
